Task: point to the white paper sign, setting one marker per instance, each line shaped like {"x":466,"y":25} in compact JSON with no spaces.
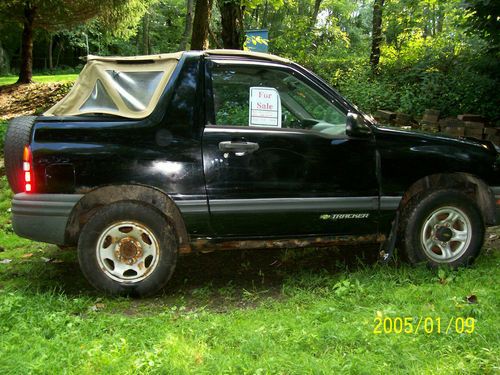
{"x":265,"y":107}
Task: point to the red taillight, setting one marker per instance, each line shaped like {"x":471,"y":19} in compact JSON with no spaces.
{"x":28,"y":169}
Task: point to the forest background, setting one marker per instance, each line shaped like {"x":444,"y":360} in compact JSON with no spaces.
{"x":400,"y":55}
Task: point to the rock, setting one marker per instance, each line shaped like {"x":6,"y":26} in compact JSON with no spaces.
{"x":451,"y":122}
{"x":469,"y":117}
{"x":431,"y":115}
{"x":457,"y":131}
{"x":475,"y":133}
{"x":432,"y":126}
{"x":384,"y":115}
{"x":474,"y":125}
{"x":490,"y":133}
{"x":402,"y":119}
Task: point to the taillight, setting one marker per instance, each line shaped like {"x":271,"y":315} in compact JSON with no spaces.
{"x":28,"y":170}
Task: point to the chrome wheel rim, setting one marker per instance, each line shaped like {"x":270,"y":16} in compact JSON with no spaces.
{"x":446,"y":234}
{"x":127,"y":251}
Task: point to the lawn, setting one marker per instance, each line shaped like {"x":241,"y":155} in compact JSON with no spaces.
{"x":290,"y":311}
{"x":309,"y":311}
{"x":9,"y":80}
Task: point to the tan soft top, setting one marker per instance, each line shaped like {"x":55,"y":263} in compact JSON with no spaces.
{"x":258,"y":55}
{"x":128,"y":86}
{"x":161,"y":56}
{"x":123,"y":86}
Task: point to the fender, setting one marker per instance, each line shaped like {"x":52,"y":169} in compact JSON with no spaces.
{"x":105,"y":195}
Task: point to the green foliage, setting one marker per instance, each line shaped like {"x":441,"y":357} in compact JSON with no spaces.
{"x":3,"y":131}
{"x":430,"y":58}
{"x":437,"y":73}
{"x":485,"y":20}
{"x":441,"y":54}
{"x":166,"y":19}
{"x":61,"y":14}
{"x":254,"y":40}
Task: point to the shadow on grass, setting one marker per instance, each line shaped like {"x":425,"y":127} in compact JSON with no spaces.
{"x":215,"y":279}
{"x":264,"y":268}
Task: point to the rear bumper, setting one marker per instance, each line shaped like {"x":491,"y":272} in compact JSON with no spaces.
{"x":42,"y":217}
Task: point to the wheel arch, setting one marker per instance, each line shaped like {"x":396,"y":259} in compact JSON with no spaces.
{"x":471,"y":185}
{"x":106,"y":195}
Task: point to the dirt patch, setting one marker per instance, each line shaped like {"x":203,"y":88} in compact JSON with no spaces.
{"x":492,"y":238}
{"x":34,"y":98}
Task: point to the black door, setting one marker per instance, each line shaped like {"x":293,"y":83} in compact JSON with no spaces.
{"x":276,"y":157}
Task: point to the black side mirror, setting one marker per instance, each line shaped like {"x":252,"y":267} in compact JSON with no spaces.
{"x":355,"y":126}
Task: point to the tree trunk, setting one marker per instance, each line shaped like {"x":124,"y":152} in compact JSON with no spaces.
{"x":26,"y":72}
{"x":230,"y":12}
{"x":265,"y":15}
{"x":199,"y":39}
{"x":4,"y":61}
{"x":440,"y":19}
{"x":49,"y":52}
{"x":145,"y":35}
{"x":376,"y":33}
{"x":61,"y":47}
{"x":188,"y":27}
{"x":214,"y":38}
{"x":314,"y":16}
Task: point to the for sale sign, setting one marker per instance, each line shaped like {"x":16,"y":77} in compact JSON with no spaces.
{"x":265,"y":107}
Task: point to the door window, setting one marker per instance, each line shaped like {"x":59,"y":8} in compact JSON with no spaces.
{"x":287,"y":102}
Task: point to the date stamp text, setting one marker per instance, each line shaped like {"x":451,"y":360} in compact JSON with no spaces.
{"x":423,"y":325}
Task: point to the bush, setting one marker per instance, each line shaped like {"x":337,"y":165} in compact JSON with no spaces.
{"x":454,"y":77}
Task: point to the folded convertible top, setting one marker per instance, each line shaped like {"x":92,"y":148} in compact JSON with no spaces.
{"x":123,"y":86}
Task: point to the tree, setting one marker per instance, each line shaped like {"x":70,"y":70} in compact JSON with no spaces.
{"x":376,"y":33}
{"x":314,"y":16}
{"x":231,"y":13}
{"x":202,"y":15}
{"x":188,"y":26}
{"x":485,"y":19}
{"x":55,"y":15}
{"x":146,"y":43}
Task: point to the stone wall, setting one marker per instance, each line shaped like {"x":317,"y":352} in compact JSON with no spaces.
{"x":465,"y":125}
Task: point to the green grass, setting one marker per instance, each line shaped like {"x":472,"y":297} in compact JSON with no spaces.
{"x":8,"y":80}
{"x":3,"y":131}
{"x":243,"y":312}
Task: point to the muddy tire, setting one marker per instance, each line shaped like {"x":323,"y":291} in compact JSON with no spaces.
{"x":442,"y":228}
{"x":127,"y":248}
{"x":18,"y":135}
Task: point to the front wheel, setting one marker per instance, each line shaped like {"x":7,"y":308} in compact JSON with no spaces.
{"x":127,"y":248}
{"x":444,"y":227}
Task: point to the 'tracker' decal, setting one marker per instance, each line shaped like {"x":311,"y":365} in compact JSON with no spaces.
{"x":344,"y":216}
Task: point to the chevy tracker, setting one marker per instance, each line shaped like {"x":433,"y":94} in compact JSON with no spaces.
{"x":150,"y":157}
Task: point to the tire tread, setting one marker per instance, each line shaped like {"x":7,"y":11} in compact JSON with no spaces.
{"x":18,"y":135}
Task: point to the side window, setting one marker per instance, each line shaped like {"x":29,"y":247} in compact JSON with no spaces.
{"x":231,"y":98}
{"x":254,"y":96}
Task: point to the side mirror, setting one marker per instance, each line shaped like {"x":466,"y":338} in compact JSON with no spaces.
{"x":355,"y":126}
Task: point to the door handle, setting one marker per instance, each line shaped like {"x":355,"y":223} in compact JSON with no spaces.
{"x":229,"y":146}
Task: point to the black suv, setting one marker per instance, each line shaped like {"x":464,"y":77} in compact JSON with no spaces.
{"x":237,"y":150}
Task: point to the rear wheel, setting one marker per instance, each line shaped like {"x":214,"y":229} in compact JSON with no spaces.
{"x":444,"y":227}
{"x":127,"y":248}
